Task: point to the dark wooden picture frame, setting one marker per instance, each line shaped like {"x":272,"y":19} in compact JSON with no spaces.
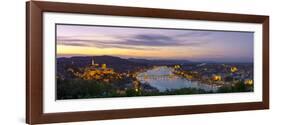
{"x":34,"y":61}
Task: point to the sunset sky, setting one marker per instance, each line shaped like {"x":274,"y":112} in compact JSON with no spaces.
{"x":124,"y":42}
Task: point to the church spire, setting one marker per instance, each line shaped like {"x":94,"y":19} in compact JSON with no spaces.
{"x":93,"y":62}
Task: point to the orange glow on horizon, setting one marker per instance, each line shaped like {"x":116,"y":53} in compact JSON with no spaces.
{"x":159,"y":53}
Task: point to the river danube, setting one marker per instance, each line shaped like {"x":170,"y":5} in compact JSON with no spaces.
{"x":163,"y":78}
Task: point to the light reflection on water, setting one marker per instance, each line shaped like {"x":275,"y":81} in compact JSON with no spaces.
{"x":162,"y":78}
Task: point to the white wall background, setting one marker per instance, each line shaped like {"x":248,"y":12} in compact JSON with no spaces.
{"x":12,"y":64}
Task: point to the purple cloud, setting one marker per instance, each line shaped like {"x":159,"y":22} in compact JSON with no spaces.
{"x":133,"y":41}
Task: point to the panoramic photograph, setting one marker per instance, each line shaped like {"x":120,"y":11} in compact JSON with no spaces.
{"x":112,"y":61}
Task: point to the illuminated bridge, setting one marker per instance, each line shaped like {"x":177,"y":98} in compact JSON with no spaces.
{"x":156,"y":77}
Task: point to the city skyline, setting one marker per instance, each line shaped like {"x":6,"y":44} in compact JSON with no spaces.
{"x":148,"y":43}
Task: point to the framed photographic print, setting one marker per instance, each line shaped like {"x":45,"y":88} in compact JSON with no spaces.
{"x":95,"y":62}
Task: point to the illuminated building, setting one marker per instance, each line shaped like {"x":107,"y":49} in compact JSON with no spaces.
{"x":103,"y":66}
{"x":108,"y":71}
{"x":248,"y":82}
{"x":93,"y":63}
{"x":136,"y":85}
{"x":177,"y":66}
{"x":189,"y":77}
{"x":216,"y":77}
{"x":233,"y":69}
{"x":95,"y":72}
{"x":136,"y":89}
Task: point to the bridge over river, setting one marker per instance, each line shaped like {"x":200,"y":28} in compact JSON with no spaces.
{"x":156,"y":77}
{"x":163,"y":78}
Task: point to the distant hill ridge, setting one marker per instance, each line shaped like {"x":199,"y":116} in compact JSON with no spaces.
{"x":117,"y":63}
{"x":160,"y":61}
{"x":113,"y":59}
